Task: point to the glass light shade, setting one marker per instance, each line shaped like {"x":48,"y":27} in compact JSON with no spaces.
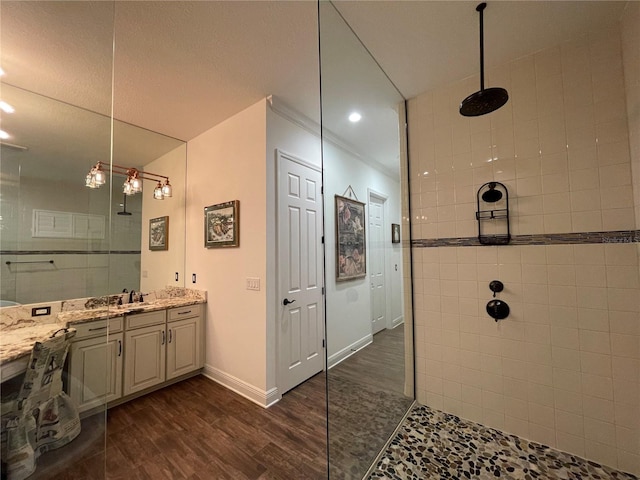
{"x":89,"y":181}
{"x":127,"y":189}
{"x":99,"y":176}
{"x":136,"y":184}
{"x":157,"y":192}
{"x":167,"y":191}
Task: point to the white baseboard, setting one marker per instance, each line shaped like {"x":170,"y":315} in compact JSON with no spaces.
{"x":256,"y":395}
{"x":349,"y":350}
{"x":397,"y":321}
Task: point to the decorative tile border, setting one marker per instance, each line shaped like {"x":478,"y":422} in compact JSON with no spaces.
{"x":620,"y":236}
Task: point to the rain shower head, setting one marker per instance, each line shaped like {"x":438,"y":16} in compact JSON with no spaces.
{"x":483,"y":102}
{"x":486,"y":100}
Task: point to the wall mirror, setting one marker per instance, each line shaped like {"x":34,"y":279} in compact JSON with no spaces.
{"x":59,"y":239}
{"x":369,"y":324}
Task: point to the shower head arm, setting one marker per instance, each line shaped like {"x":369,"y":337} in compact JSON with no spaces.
{"x":480,"y":9}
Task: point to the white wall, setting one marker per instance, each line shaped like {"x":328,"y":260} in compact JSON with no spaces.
{"x":349,"y":303}
{"x":160,"y":266}
{"x":562,"y":369}
{"x":228,"y":163}
{"x":241,"y":324}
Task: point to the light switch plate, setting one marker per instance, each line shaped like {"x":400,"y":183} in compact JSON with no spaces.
{"x":253,"y":283}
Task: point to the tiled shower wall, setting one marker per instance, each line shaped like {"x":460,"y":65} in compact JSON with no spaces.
{"x":631,"y":62}
{"x":563,"y":368}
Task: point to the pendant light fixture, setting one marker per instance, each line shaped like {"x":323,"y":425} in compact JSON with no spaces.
{"x":133,"y":184}
{"x":486,"y":100}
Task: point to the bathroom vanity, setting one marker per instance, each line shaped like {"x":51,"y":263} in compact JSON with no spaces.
{"x":118,"y":352}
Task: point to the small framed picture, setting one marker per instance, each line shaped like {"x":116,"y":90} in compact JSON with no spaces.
{"x":395,"y":233}
{"x":222,"y":225}
{"x":159,"y":233}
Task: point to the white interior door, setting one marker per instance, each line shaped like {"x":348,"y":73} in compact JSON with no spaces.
{"x":377,"y":264}
{"x":300,"y":272}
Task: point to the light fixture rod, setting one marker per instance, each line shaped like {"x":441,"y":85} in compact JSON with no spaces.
{"x":128,"y":171}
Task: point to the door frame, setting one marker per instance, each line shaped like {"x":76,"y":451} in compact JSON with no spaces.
{"x":386,"y":232}
{"x":282,"y":154}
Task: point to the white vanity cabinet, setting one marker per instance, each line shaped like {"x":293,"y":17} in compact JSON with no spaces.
{"x":95,"y":363}
{"x":141,"y":351}
{"x":145,"y":352}
{"x":184,"y":342}
{"x":161,"y":346}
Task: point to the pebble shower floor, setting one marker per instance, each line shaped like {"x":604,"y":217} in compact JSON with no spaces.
{"x":434,"y":445}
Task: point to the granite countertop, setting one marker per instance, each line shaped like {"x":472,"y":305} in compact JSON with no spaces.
{"x":75,"y":317}
{"x":18,"y":342}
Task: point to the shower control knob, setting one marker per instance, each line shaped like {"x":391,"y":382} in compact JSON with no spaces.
{"x":498,"y":310}
{"x":496,"y":286}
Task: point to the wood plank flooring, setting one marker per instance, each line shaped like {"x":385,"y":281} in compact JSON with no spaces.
{"x":199,"y":430}
{"x":366,"y":404}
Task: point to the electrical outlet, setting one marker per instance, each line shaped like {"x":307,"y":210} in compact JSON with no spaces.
{"x":40,"y":311}
{"x":253,"y":283}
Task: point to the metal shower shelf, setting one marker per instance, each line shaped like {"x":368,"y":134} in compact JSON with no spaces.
{"x":493,"y":223}
{"x":492,"y":214}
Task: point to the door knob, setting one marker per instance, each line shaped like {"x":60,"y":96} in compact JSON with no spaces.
{"x":286,"y":301}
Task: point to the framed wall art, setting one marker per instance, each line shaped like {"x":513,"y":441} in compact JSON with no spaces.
{"x":159,"y":233}
{"x":395,"y":233}
{"x":222,"y":225}
{"x":351,"y":259}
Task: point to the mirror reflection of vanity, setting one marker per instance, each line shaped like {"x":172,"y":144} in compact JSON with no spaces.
{"x":62,"y":240}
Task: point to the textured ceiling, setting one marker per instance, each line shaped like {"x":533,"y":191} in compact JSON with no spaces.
{"x":425,"y":44}
{"x":182,"y":67}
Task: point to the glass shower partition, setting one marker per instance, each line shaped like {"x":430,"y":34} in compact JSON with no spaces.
{"x":369,"y":326}
{"x":56,"y":89}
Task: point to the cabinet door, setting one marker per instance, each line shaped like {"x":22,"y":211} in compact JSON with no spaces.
{"x":95,"y":371}
{"x":144,"y":358}
{"x":183,"y":349}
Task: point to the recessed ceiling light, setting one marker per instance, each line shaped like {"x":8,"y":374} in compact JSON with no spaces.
{"x":355,"y":117}
{"x":6,"y":108}
{"x":4,"y":135}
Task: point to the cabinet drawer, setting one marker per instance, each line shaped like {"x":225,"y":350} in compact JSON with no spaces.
{"x":140,"y":320}
{"x":97,"y":327}
{"x":180,"y":313}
